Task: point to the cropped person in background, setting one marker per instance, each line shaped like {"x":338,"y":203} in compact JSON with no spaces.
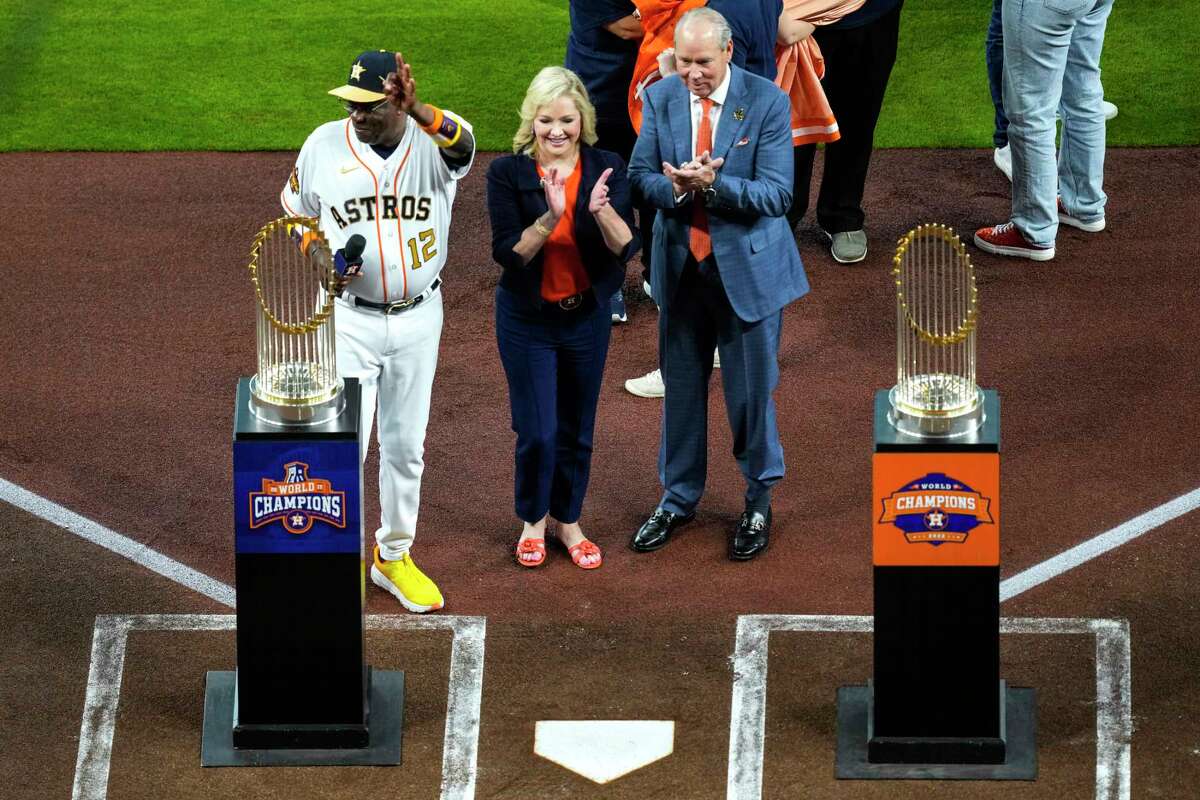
{"x":1052,"y":63}
{"x":859,"y":52}
{"x":562,"y":232}
{"x":601,"y":49}
{"x":754,"y":24}
{"x":801,"y":67}
{"x":994,"y":55}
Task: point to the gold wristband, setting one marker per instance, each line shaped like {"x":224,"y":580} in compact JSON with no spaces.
{"x":540,"y":228}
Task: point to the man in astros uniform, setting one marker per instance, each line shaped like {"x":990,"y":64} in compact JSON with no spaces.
{"x":388,"y":173}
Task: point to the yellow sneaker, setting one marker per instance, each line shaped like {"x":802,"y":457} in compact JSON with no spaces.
{"x":411,"y":587}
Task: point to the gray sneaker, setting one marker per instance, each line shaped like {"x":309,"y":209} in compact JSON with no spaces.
{"x":848,"y":247}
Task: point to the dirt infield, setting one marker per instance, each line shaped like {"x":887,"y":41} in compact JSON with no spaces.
{"x":128,"y":318}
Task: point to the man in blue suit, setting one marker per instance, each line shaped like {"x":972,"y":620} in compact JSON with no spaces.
{"x":715,"y":157}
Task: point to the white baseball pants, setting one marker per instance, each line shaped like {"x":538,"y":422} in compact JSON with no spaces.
{"x":394,"y":358}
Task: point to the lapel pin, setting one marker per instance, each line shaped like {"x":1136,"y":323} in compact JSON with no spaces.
{"x":739,"y":113}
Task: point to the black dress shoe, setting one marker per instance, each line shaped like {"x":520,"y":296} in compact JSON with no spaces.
{"x":751,"y":535}
{"x":655,"y":531}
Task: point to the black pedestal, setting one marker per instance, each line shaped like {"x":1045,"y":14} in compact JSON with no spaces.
{"x":301,"y":693}
{"x":936,"y":707}
{"x":937,"y":661}
{"x":384,"y":729}
{"x":947,"y":758}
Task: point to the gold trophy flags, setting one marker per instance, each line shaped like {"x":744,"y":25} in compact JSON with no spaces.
{"x":291,"y":269}
{"x":937,"y":309}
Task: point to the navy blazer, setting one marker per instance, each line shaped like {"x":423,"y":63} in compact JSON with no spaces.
{"x":753,"y":244}
{"x":515,"y":199}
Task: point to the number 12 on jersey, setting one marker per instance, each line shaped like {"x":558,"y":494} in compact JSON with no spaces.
{"x":427,"y":249}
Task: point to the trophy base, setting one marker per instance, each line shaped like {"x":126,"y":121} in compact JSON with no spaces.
{"x":1010,"y":757}
{"x":290,"y":415}
{"x":937,"y":426}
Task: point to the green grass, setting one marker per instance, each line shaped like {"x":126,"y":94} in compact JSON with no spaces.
{"x":224,"y":75}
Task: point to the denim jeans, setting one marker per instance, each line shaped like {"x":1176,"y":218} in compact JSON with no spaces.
{"x":994,"y":56}
{"x":1052,"y":61}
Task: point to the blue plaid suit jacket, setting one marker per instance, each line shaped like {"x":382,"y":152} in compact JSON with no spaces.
{"x":754,"y":247}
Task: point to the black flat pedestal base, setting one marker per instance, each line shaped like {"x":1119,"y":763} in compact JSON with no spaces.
{"x":1020,"y":744}
{"x":384,"y":727}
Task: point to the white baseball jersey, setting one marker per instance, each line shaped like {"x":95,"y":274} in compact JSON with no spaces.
{"x":400,"y":205}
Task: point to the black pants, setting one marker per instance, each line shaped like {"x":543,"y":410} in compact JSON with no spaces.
{"x":858,"y":63}
{"x":616,"y":135}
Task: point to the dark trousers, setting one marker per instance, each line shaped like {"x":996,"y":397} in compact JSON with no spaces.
{"x":616,"y":135}
{"x":697,"y":319}
{"x":554,"y":362}
{"x":994,"y":56}
{"x":858,"y":63}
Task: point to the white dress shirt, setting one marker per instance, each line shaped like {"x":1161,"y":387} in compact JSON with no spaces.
{"x":718,"y":98}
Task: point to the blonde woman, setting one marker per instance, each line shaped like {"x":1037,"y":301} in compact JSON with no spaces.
{"x":562,"y":231}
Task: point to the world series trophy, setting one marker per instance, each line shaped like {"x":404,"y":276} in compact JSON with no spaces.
{"x":297,"y":381}
{"x":936,"y":707}
{"x":301,"y":693}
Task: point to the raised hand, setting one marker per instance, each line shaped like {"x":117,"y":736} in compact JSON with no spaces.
{"x":400,"y":87}
{"x":599,"y":197}
{"x":556,"y":192}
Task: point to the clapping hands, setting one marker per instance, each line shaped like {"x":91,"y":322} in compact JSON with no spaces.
{"x":693,"y":176}
{"x":555,"y":188}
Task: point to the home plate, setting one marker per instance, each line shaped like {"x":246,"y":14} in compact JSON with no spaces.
{"x":604,"y":750}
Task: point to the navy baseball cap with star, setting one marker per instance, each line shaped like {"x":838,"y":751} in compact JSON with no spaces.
{"x":367,"y":74}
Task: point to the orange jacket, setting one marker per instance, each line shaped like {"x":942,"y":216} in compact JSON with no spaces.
{"x":658,"y":22}
{"x":800,"y":69}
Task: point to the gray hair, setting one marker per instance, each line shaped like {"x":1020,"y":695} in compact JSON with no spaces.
{"x":720,"y":26}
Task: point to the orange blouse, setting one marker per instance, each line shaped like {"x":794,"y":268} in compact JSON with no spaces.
{"x":562,"y":269}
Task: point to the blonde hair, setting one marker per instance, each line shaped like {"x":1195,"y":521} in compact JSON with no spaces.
{"x":546,"y":87}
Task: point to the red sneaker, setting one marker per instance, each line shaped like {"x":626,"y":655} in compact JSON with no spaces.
{"x":1094,"y":226}
{"x":1006,"y":240}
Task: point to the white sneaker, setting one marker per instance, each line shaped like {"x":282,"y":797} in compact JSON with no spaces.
{"x":716,"y":359}
{"x":1002,"y":157}
{"x":1110,"y":110}
{"x":1090,"y":226}
{"x":646,"y":289}
{"x":649,"y":385}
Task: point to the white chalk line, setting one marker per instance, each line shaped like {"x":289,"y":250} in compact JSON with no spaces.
{"x":111,"y":540}
{"x":748,"y":712}
{"x":743,"y":685}
{"x":1099,"y":545}
{"x":223,"y":593}
{"x":111,"y":635}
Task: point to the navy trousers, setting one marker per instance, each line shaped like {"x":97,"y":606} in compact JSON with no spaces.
{"x":994,"y":56}
{"x":554,"y":362}
{"x":698,"y":319}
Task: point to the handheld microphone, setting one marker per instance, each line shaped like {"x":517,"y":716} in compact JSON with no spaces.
{"x":348,"y":261}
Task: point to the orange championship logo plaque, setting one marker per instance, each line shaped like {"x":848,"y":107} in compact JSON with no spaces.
{"x":936,"y":509}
